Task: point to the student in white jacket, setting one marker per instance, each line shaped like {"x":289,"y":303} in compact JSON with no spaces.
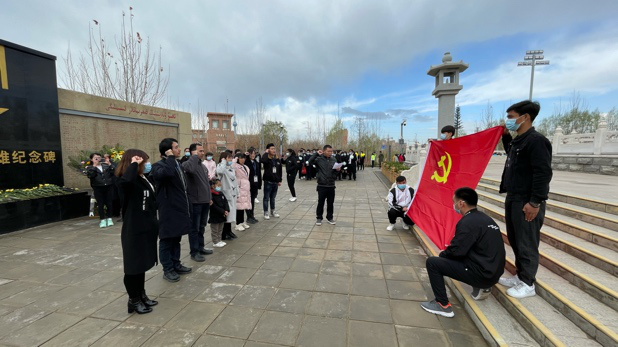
{"x":399,"y":200}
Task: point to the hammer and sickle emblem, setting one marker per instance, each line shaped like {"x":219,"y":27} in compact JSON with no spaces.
{"x":446,"y":169}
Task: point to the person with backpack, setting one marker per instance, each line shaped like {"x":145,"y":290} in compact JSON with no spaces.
{"x":399,"y":200}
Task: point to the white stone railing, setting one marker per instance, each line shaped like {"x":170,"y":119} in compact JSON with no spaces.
{"x":601,"y":142}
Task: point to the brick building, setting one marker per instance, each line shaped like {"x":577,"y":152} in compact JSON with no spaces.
{"x":220,"y":135}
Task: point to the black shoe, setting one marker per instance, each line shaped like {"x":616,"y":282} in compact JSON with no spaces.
{"x":182,"y":270}
{"x":225,"y":237}
{"x":136,"y":305}
{"x":171,"y":276}
{"x":198,"y":257}
{"x":252,"y":220}
{"x":205,"y":251}
{"x":232,"y":235}
{"x":146,"y":300}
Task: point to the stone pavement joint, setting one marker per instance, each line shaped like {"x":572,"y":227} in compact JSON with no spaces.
{"x":284,"y":281}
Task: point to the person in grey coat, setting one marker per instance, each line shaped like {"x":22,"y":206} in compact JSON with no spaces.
{"x":174,"y":209}
{"x":227,"y":175}
{"x":199,"y":196}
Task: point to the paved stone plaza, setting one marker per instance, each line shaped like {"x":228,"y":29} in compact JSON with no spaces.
{"x":283,"y":282}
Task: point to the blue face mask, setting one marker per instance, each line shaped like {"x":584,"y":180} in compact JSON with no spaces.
{"x":442,"y":136}
{"x":229,"y":163}
{"x":147,"y":167}
{"x":511,"y":124}
{"x":455,"y":208}
{"x":209,"y":157}
{"x":217,"y":189}
{"x":401,"y":186}
{"x":187,"y":154}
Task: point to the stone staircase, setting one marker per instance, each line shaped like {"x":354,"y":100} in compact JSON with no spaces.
{"x":577,"y":301}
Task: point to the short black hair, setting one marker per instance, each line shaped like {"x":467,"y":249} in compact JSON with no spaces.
{"x":95,"y":153}
{"x":214,"y":181}
{"x":326,"y":146}
{"x":400,"y":179}
{"x":468,"y":195}
{"x":240,"y":155}
{"x":237,"y":150}
{"x":209,"y":153}
{"x":448,"y":129}
{"x":270,"y":145}
{"x":193,"y":146}
{"x":166,"y":144}
{"x":532,"y":108}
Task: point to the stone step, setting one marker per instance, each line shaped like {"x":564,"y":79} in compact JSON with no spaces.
{"x":592,"y":317}
{"x":578,"y":213}
{"x":593,"y":254}
{"x":496,"y":324}
{"x":610,"y":207}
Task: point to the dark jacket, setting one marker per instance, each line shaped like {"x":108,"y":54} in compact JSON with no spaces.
{"x":292,"y":165}
{"x":271,"y":165}
{"x":326,"y":174}
{"x":198,"y":186}
{"x":172,"y":199}
{"x":255,"y":170}
{"x":140,"y":227}
{"x":101,"y":179}
{"x":527,"y":171}
{"x":218,"y":208}
{"x":478,"y":243}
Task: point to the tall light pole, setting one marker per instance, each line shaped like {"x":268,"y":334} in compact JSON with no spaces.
{"x":281,"y":140}
{"x":235,"y":134}
{"x":533,"y":58}
{"x":403,"y":124}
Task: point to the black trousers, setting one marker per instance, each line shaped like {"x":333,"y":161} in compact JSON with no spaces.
{"x":291,"y":181}
{"x":240,"y":216}
{"x":393,"y":214}
{"x":373,"y":163}
{"x":524,"y":238}
{"x":438,"y":267}
{"x":325,"y":194}
{"x":104,"y":196}
{"x":169,"y":253}
{"x":134,"y":284}
{"x":352,"y":172}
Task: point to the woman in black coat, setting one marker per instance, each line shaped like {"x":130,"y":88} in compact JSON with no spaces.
{"x":140,"y":227}
{"x":292,"y":165}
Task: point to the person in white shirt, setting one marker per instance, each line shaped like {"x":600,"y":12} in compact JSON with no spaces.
{"x":399,"y":200}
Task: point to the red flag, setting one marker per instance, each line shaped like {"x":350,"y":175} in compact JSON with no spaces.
{"x":450,"y":165}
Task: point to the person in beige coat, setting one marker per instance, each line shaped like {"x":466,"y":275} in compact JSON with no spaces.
{"x":243,"y":202}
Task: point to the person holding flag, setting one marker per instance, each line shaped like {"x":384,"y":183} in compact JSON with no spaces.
{"x":476,"y":255}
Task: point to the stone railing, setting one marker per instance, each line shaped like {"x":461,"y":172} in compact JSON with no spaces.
{"x":601,"y":142}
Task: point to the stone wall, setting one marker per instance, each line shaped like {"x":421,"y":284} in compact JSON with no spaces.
{"x":89,"y":122}
{"x":605,"y":165}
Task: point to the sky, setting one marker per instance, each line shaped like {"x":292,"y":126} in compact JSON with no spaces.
{"x":348,"y":58}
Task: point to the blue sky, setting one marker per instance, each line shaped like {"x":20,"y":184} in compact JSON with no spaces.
{"x":304,"y":58}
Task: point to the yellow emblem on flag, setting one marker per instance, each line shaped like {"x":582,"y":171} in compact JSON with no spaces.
{"x":446,"y":169}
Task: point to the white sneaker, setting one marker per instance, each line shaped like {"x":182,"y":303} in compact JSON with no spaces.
{"x":275,"y":214}
{"x":219,"y":244}
{"x":257,"y":201}
{"x":509,"y":282}
{"x":404,"y":226}
{"x":390,"y":227}
{"x":292,"y":199}
{"x":245,"y":225}
{"x":521,"y":291}
{"x":266,"y":216}
{"x":239,"y":227}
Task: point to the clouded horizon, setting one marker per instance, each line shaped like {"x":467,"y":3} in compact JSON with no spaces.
{"x":370,"y":58}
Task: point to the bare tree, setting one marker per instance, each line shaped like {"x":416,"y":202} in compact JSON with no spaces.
{"x":132,"y":74}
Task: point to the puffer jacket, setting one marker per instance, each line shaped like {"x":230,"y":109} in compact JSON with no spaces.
{"x":243,"y":202}
{"x":324,"y":165}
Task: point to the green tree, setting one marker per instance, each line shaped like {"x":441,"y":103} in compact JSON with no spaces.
{"x":458,"y":125}
{"x":336,"y":135}
{"x":576,"y":118}
{"x":272,"y":132}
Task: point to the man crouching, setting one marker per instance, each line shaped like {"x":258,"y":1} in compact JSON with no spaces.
{"x":475,"y":256}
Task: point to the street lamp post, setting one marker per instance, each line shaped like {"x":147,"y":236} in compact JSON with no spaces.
{"x":281,"y":140}
{"x":532,"y":59}
{"x":403,"y":124}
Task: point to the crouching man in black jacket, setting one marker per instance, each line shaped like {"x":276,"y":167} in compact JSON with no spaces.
{"x":475,"y":256}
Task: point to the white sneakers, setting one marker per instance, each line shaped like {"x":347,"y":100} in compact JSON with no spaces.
{"x":257,"y":201}
{"x":266,"y":216}
{"x":239,"y":227}
{"x":404,"y":226}
{"x":274,"y":214}
{"x":390,"y":227}
{"x":219,"y":244}
{"x":245,"y":225}
{"x":292,"y":199}
{"x":517,"y":288}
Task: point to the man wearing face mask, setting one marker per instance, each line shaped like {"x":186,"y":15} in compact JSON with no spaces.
{"x":447,"y":132}
{"x":525,"y":180}
{"x":475,"y":256}
{"x":399,"y":199}
{"x":352,"y":159}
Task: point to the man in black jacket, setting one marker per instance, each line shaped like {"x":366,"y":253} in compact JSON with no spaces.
{"x":255,"y":179}
{"x":525,"y":180}
{"x":324,"y":163}
{"x":174,"y":209}
{"x":198,"y":189}
{"x":352,"y":159}
{"x":475,"y":256}
{"x":272,"y":179}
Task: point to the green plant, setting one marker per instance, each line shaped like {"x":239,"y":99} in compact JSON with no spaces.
{"x":82,"y":160}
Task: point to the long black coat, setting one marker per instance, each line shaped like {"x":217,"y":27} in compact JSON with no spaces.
{"x":172,"y":199}
{"x":255,"y":170}
{"x":140,"y":227}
